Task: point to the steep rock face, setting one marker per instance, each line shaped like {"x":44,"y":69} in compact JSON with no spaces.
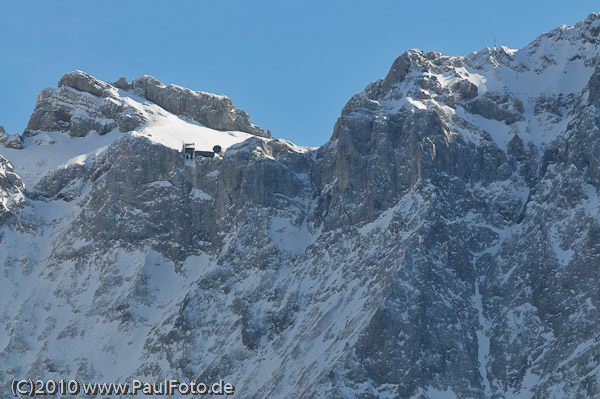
{"x":10,"y":140}
{"x":216,"y":112}
{"x":11,"y":189}
{"x":84,"y":104}
{"x":188,"y":206}
{"x":511,"y":223}
{"x":443,"y":243}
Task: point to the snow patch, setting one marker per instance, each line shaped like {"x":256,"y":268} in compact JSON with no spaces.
{"x":199,"y":194}
{"x":483,"y":340}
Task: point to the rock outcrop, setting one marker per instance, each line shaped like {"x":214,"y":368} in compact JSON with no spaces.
{"x":211,"y":110}
{"x":13,"y":141}
{"x":84,"y":104}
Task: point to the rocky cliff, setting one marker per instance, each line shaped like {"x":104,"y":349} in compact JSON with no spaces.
{"x":444,"y":243}
{"x":84,"y":104}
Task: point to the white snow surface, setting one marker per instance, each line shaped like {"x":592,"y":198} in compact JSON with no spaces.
{"x":51,"y":150}
{"x":35,"y":161}
{"x":172,"y":130}
{"x":556,"y":64}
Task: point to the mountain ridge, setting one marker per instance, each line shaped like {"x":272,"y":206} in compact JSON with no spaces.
{"x":442,"y":243}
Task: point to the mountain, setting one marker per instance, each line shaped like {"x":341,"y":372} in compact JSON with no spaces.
{"x":444,"y":243}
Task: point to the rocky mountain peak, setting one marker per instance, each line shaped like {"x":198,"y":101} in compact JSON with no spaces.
{"x":10,"y":140}
{"x":587,"y":30}
{"x":500,"y":84}
{"x":211,"y":110}
{"x":86,"y":83}
{"x":83,"y":104}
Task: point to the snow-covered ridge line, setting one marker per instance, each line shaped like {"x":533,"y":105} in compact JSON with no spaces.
{"x":529,"y":93}
{"x":78,"y":121}
{"x":83,"y":103}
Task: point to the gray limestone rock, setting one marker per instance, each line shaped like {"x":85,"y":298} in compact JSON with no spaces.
{"x":3,"y":135}
{"x":122,"y":83}
{"x":11,"y":191}
{"x":497,"y":107}
{"x":81,"y":81}
{"x":211,"y":110}
{"x":78,"y":113}
{"x":443,"y":243}
{"x":84,"y":104}
{"x":399,"y":69}
{"x":466,"y":89}
{"x":13,"y":141}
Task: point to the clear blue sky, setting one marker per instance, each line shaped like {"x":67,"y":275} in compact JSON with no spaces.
{"x":292,"y":65}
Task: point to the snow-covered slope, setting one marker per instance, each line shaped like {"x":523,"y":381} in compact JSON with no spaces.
{"x":45,"y":151}
{"x":442,"y":244}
